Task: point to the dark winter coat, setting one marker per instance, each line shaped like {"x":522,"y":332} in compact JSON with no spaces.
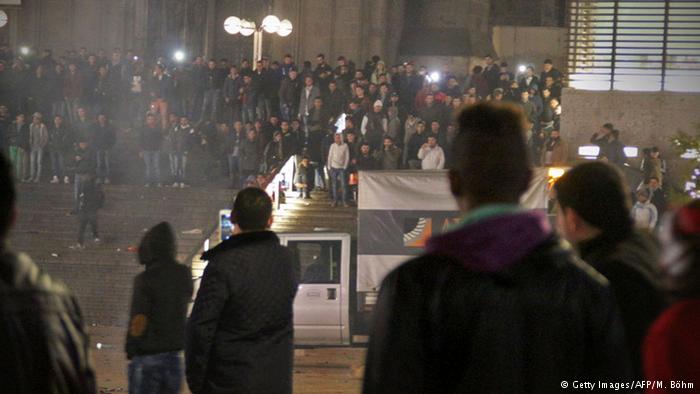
{"x":497,"y":306}
{"x":388,"y":159}
{"x":214,"y":79}
{"x":82,"y":130}
{"x":630,"y":266}
{"x":181,"y":139}
{"x":161,"y":88}
{"x":61,"y":139}
{"x":375,"y":128}
{"x":431,"y":114}
{"x":319,"y":119}
{"x":335,"y":101}
{"x":274,"y":154}
{"x":90,"y":198}
{"x":249,"y":155}
{"x":42,"y":335}
{"x":18,"y":135}
{"x":414,"y":145}
{"x":73,"y":85}
{"x":290,"y":91}
{"x":161,"y":295}
{"x":232,"y":87}
{"x":366,"y":163}
{"x":84,"y":161}
{"x":103,"y":138}
{"x":151,"y":138}
{"x":240,"y":334}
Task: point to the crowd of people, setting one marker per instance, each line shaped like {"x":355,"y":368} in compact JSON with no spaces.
{"x":248,"y":118}
{"x":497,"y":302}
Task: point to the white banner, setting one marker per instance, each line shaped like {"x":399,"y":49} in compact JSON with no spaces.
{"x":384,"y":198}
{"x":404,"y":190}
{"x":371,"y":270}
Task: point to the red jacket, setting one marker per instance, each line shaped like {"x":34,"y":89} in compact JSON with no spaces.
{"x":672,"y":348}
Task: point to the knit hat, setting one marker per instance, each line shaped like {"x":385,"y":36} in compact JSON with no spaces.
{"x":378,"y":103}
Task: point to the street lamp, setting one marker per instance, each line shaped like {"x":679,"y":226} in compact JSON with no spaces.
{"x":270,"y":24}
{"x":179,"y":56}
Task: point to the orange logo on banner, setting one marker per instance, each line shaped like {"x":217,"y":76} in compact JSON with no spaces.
{"x":419,"y":239}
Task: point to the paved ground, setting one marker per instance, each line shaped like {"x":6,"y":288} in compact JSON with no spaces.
{"x":321,"y":370}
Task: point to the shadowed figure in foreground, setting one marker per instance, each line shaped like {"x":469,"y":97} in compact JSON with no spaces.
{"x":496,"y":305}
{"x":240,"y":336}
{"x":43,"y":344}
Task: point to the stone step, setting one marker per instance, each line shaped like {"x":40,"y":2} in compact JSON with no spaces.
{"x":102,"y":274}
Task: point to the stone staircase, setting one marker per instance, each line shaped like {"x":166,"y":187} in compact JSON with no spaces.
{"x":300,"y":216}
{"x":101,"y":275}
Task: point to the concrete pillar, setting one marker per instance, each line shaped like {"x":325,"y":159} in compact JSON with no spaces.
{"x":377,"y":29}
{"x":139,"y":33}
{"x":13,"y":26}
{"x":210,"y":32}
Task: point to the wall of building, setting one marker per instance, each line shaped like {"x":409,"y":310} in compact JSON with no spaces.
{"x":355,"y":28}
{"x":446,"y":28}
{"x":530,"y":45}
{"x":63,"y":24}
{"x":528,"y":12}
{"x":644,"y":119}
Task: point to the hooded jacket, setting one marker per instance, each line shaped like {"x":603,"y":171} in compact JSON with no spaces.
{"x":496,"y":306}
{"x":240,"y":334}
{"x":161,"y":296}
{"x":45,"y":348}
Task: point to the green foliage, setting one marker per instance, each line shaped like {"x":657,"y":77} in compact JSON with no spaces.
{"x":683,"y":142}
{"x":688,"y":145}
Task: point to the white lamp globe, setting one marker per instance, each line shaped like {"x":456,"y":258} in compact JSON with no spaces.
{"x":247,"y":28}
{"x":285,"y":28}
{"x":271,"y":24}
{"x":232,"y":25}
{"x":179,"y":56}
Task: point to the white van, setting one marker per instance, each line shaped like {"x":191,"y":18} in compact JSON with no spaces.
{"x":340,"y":272}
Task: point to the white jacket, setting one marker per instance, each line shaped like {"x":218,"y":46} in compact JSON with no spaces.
{"x":339,"y":156}
{"x":432,"y":158}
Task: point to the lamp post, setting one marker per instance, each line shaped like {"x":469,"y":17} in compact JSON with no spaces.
{"x":270,"y":24}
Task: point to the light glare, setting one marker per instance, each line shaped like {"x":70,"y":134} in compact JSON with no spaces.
{"x":232,"y":25}
{"x":285,"y":28}
{"x":271,"y":24}
{"x":179,"y":56}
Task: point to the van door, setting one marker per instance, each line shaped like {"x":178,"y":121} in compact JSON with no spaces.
{"x":321,"y":307}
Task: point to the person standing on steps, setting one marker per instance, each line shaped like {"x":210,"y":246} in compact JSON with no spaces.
{"x":90,"y":200}
{"x":38,"y":139}
{"x":103,"y":138}
{"x":338,"y":161}
{"x":151,"y":139}
{"x":60,"y":145}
